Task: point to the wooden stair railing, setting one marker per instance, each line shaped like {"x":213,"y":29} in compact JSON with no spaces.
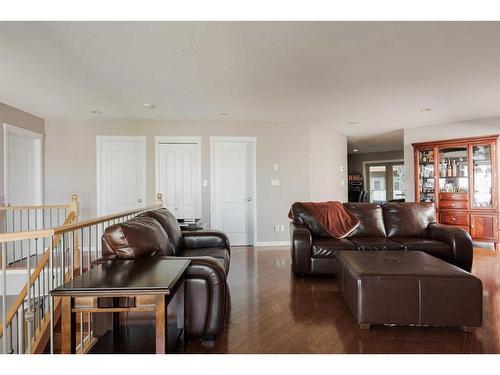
{"x":72,"y":249}
{"x":37,"y":283}
{"x":32,"y":218}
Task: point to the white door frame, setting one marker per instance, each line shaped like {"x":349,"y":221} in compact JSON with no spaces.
{"x":102,"y":138}
{"x":253,"y":142}
{"x":38,"y":138}
{"x":179,"y":140}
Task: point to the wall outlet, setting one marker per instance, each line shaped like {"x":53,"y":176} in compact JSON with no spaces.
{"x":276,"y":166}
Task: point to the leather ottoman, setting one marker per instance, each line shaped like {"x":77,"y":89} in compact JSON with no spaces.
{"x":408,"y":288}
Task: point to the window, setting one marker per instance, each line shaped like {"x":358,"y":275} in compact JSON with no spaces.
{"x":386,"y":181}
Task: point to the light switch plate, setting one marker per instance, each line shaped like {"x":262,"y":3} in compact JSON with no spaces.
{"x":276,"y":166}
{"x":275,"y":182}
{"x":205,"y":182}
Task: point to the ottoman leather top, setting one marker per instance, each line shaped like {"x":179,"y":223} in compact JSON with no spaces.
{"x":399,"y":263}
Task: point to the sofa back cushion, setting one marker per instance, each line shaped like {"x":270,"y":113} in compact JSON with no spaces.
{"x":170,"y":225}
{"x":300,"y":215}
{"x":371,"y":219}
{"x":408,"y":219}
{"x":136,"y":238}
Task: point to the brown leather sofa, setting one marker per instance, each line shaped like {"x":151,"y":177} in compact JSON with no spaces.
{"x":157,"y":233}
{"x":393,"y":226}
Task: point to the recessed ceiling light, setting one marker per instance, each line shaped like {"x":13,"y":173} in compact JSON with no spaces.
{"x":223,"y":114}
{"x":355,"y":150}
{"x":352,"y":123}
{"x":425,"y":109}
{"x":96,"y":112}
{"x":148,"y":105}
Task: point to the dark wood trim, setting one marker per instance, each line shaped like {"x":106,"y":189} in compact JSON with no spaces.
{"x":113,"y":309}
{"x":109,"y":293}
{"x":479,"y":139}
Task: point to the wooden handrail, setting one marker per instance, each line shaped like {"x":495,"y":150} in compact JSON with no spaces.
{"x":54,"y":206}
{"x":103,"y":219}
{"x":27,"y":235}
{"x":38,"y":269}
{"x":73,"y":206}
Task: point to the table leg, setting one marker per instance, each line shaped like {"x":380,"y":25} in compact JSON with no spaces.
{"x":116,"y":318}
{"x":161,"y":324}
{"x":68,"y":327}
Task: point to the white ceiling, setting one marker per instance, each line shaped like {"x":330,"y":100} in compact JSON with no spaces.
{"x":384,"y":141}
{"x":378,"y":74}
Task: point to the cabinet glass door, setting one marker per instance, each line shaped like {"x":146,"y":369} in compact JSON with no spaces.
{"x":453,"y":170}
{"x":426,"y":175}
{"x":482,"y":179}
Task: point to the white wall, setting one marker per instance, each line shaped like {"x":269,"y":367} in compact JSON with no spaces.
{"x":70,"y":160}
{"x":472,"y":128}
{"x":327,"y":165}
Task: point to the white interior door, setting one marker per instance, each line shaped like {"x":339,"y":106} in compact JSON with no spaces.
{"x":22,"y":167}
{"x":121,"y":174}
{"x":178,"y":178}
{"x":22,"y":183}
{"x":233,"y":174}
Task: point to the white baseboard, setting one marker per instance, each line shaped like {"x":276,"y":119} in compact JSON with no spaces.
{"x":271,"y":243}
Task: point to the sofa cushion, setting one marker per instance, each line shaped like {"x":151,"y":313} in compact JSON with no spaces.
{"x":138,"y":237}
{"x":328,"y":247}
{"x":375,"y":243}
{"x":300,"y":215}
{"x":371,"y":220}
{"x":438,"y":249}
{"x":221,"y":255}
{"x":408,"y":219}
{"x":170,"y":225}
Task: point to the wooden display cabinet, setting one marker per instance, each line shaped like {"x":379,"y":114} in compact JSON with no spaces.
{"x":460,"y":176}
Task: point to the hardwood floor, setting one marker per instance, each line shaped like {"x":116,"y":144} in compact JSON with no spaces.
{"x":274,"y":312}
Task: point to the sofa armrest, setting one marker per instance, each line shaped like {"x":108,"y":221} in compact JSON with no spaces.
{"x":207,"y":296}
{"x":300,"y":246}
{"x":205,"y":238}
{"x":459,"y":240}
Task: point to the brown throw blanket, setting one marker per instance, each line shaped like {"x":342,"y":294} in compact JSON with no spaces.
{"x":333,"y":217}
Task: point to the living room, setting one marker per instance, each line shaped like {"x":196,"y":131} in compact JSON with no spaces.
{"x":238,"y":187}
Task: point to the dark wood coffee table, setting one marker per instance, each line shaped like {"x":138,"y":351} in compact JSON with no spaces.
{"x":161,"y":278}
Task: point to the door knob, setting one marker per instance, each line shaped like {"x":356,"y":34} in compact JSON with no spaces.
{"x":249,"y":199}
{"x":139,"y":200}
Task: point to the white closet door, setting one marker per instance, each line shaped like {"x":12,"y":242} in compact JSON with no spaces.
{"x":179,"y":178}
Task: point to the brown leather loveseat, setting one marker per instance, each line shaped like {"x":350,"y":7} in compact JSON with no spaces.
{"x":157,"y":233}
{"x":393,"y":226}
